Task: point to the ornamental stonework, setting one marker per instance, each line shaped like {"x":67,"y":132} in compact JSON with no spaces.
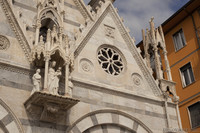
{"x":86,"y":65}
{"x":109,"y":31}
{"x":110,"y":60}
{"x":137,"y":79}
{"x":4,"y":43}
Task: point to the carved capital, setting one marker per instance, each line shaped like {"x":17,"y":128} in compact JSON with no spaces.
{"x":47,"y":58}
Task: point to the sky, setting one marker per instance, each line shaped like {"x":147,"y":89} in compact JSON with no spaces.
{"x":137,"y":13}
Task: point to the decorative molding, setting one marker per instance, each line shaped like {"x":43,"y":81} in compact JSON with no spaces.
{"x":4,"y":43}
{"x":16,"y":69}
{"x":130,"y":43}
{"x":15,"y":27}
{"x":87,"y":84}
{"x":90,"y":32}
{"x":13,"y":116}
{"x":86,"y":14}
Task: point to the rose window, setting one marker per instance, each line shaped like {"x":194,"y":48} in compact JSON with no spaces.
{"x":110,"y":61}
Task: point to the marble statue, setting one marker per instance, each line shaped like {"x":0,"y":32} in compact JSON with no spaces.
{"x":53,"y":78}
{"x":70,"y":87}
{"x":36,"y":81}
{"x":56,"y":80}
{"x":54,"y":35}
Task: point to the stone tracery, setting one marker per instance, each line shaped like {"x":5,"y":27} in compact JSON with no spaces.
{"x":110,"y":61}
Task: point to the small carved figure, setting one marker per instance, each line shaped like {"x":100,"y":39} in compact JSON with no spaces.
{"x":58,"y":73}
{"x":70,"y":87}
{"x":87,"y":22}
{"x":54,"y":35}
{"x":81,"y":28}
{"x":76,"y":34}
{"x":36,"y":81}
{"x":51,"y":77}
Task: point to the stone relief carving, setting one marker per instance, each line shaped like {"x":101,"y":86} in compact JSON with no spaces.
{"x":53,"y":78}
{"x":109,"y":31}
{"x":86,"y":65}
{"x":136,"y":78}
{"x":36,"y":81}
{"x":4,"y":43}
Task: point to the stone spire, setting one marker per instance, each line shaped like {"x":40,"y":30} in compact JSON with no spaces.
{"x":154,"y":42}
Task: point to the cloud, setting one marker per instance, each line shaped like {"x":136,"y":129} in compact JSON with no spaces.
{"x":137,"y":13}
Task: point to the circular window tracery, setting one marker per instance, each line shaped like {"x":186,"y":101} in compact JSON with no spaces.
{"x":110,"y":60}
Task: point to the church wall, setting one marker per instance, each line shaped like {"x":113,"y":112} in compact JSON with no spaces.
{"x":104,"y":99}
{"x":150,"y":112}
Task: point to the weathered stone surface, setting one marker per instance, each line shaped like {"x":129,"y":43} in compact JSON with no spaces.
{"x":113,"y":99}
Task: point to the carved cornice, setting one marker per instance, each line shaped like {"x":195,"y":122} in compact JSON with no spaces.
{"x":16,"y":69}
{"x":130,"y":43}
{"x":15,"y":27}
{"x":86,"y":14}
{"x":86,"y":84}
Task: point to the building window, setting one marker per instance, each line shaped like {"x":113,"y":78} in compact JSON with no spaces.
{"x":187,"y":74}
{"x":179,"y":40}
{"x":194,"y":112}
{"x":110,"y":60}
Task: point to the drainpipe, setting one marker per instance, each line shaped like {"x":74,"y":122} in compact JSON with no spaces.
{"x":195,"y":28}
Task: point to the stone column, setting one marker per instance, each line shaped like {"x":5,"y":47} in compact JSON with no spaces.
{"x":158,"y":64}
{"x":178,"y":116}
{"x":47,"y":58}
{"x":48,"y":40}
{"x":38,"y":26}
{"x":147,"y":56}
{"x":152,"y":30}
{"x":167,"y":113}
{"x":169,"y":76}
{"x":67,"y":78}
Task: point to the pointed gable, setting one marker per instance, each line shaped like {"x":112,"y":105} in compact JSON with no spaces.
{"x":11,"y":49}
{"x":109,"y":31}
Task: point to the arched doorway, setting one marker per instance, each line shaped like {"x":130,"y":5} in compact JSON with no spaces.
{"x":108,"y":121}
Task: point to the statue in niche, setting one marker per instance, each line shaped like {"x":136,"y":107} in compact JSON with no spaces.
{"x":70,"y":88}
{"x":36,"y":81}
{"x":54,"y":35}
{"x":58,"y":74}
{"x":53,"y":78}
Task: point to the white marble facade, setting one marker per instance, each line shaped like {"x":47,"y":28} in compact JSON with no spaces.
{"x":102,"y":68}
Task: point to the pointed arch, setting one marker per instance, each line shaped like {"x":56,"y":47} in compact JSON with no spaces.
{"x":50,"y":13}
{"x":102,"y":118}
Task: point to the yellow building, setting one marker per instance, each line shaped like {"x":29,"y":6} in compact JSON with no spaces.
{"x":182,"y":36}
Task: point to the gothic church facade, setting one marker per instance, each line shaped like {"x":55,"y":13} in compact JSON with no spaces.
{"x":67,"y":67}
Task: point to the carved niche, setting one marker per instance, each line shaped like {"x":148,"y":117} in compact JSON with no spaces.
{"x":53,"y":54}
